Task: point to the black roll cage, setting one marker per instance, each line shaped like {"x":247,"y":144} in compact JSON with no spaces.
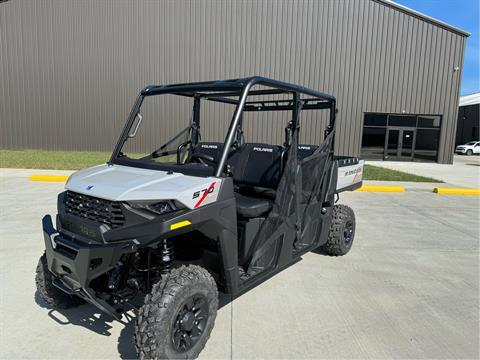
{"x":222,"y":91}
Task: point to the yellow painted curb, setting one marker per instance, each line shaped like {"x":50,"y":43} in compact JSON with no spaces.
{"x":48,"y":178}
{"x":456,"y":191}
{"x":380,"y":188}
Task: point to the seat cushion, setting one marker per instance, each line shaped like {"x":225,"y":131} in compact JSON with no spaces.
{"x":256,"y":191}
{"x":251,"y":207}
{"x":213,"y":149}
{"x":255,"y":164}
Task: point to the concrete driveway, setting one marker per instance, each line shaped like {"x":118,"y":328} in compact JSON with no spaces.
{"x":408,"y":289}
{"x":464,"y":172}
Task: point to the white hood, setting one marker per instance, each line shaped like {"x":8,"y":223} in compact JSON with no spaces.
{"x":123,"y":183}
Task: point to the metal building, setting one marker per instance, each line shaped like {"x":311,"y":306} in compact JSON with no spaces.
{"x":70,"y":70}
{"x":468,"y":124}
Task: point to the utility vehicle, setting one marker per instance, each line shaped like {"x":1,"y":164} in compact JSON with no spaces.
{"x":191,"y":218}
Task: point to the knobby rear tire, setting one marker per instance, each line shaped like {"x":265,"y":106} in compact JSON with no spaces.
{"x":342,"y":231}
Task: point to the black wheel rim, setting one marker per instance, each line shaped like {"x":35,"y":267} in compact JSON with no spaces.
{"x":348,"y":233}
{"x":190,"y":323}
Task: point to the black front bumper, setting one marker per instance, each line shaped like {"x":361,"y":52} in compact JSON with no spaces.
{"x":75,"y":264}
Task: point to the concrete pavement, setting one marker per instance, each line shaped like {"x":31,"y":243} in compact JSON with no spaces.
{"x":409,"y":288}
{"x":464,"y":172}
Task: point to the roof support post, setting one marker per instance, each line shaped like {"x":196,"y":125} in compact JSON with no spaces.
{"x":297,"y":105}
{"x":196,"y":121}
{"x":237,"y":115}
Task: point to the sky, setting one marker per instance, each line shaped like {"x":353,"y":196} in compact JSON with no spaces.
{"x":465,"y":15}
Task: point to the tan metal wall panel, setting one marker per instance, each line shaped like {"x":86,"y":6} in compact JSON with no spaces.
{"x":70,"y":70}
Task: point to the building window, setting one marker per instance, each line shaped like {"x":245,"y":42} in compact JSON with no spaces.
{"x":404,"y":137}
{"x":426,"y":145}
{"x":373,"y":142}
{"x":375,"y":120}
{"x":428,"y":121}
{"x":402,"y":120}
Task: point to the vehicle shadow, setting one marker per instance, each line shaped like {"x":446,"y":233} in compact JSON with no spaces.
{"x":91,"y":318}
{"x":320,"y":251}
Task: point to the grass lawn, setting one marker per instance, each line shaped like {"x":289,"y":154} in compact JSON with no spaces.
{"x":371,"y":172}
{"x":58,"y":160}
{"x":74,"y":160}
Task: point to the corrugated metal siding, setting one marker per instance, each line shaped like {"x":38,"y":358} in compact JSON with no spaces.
{"x":70,"y":70}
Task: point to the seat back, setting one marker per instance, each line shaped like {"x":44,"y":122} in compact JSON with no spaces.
{"x":304,"y":151}
{"x":213,"y":149}
{"x":256,"y":165}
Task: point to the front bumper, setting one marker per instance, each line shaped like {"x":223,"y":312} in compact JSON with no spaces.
{"x":75,"y":264}
{"x":460,"y":151}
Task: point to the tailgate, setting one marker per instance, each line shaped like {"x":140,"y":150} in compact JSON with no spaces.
{"x":349,"y":173}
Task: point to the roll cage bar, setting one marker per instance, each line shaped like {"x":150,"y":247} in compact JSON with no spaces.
{"x":236,"y":92}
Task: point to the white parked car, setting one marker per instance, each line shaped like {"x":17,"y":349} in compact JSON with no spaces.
{"x":470,"y":148}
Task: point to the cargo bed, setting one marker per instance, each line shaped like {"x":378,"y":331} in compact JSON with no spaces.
{"x":349,"y":173}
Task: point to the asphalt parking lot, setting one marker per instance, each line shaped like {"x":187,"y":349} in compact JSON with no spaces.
{"x":408,"y":289}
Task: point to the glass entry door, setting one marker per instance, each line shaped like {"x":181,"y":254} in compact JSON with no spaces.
{"x":407,"y":137}
{"x":399,"y":144}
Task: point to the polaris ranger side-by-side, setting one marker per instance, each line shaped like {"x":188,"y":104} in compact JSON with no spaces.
{"x":194,"y":217}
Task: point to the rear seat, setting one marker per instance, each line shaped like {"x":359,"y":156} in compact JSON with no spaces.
{"x":214,"y":149}
{"x":304,"y":151}
{"x":256,"y":173}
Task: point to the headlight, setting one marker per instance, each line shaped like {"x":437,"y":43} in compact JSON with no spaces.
{"x":159,"y":207}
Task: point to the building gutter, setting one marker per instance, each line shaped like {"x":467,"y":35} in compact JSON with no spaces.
{"x":424,"y":17}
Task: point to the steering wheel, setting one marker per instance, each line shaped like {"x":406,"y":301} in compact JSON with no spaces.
{"x":203,"y":159}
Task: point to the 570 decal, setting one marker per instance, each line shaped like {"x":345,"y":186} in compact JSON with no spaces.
{"x":196,"y":194}
{"x":203,"y":194}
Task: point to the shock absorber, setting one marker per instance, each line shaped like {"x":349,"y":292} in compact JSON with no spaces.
{"x":115,"y":276}
{"x":166,"y":255}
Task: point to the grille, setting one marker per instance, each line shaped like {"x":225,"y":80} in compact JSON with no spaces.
{"x":94,"y":209}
